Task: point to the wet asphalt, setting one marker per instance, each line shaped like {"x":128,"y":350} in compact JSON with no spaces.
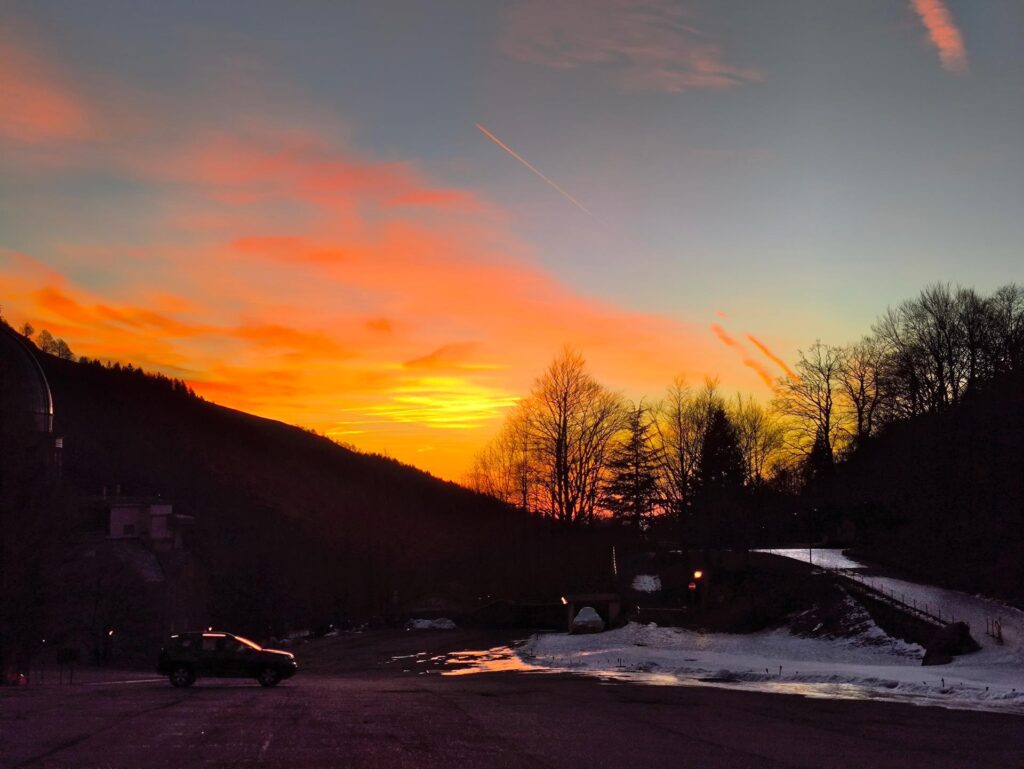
{"x":378,"y":700}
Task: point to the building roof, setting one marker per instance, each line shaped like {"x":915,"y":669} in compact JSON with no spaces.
{"x":24,"y":392}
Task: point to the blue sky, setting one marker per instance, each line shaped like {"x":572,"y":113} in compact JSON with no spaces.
{"x":793,"y":166}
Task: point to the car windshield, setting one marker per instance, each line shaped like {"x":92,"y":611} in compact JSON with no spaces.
{"x":249,"y":643}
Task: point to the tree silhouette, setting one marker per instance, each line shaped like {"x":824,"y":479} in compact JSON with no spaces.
{"x":46,"y":342}
{"x":631,"y":491}
{"x":811,"y":399}
{"x":63,"y":351}
{"x":682,"y":422}
{"x":719,"y":483}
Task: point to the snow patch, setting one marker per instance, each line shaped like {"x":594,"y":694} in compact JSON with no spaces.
{"x":866,"y":665}
{"x":647,"y":583}
{"x":442,"y":623}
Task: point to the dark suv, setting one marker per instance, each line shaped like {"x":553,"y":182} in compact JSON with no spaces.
{"x":188,"y":656}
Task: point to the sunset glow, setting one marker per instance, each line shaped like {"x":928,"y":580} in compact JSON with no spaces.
{"x":272,"y":232}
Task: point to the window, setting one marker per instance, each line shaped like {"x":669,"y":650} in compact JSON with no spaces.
{"x":213,"y":643}
{"x":128,"y":530}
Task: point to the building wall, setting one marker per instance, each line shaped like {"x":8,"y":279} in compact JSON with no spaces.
{"x":125,"y":521}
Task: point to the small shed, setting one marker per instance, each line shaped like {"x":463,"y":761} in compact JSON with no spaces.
{"x":608,"y":605}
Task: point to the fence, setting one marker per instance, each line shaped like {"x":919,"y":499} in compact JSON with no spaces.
{"x":898,"y":600}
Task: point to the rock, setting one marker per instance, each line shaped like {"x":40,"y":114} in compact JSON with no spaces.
{"x":932,"y":657}
{"x":954,"y":638}
{"x":587,"y":621}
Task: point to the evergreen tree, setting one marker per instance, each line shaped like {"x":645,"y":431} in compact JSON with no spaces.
{"x":819,"y":463}
{"x":631,"y":491}
{"x":720,"y":473}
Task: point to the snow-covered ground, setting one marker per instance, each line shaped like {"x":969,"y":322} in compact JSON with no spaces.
{"x":866,"y":665}
{"x":976,"y":611}
{"x":869,"y":666}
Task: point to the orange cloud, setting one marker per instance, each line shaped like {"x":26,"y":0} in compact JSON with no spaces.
{"x":749,"y":362}
{"x":772,"y":356}
{"x":272,"y":165}
{"x":288,"y":248}
{"x":449,"y":356}
{"x":38,"y":107}
{"x":943,"y":33}
{"x":298,"y":280}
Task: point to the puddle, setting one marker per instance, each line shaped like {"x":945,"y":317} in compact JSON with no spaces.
{"x":499,"y":659}
{"x":504,"y":659}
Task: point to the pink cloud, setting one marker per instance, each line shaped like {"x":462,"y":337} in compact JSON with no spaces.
{"x":646,"y":45}
{"x":749,"y":362}
{"x":284,"y":274}
{"x":943,"y":33}
{"x":38,"y":106}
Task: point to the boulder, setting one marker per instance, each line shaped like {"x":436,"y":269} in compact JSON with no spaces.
{"x":587,"y":621}
{"x":955,"y":638}
{"x":932,"y":657}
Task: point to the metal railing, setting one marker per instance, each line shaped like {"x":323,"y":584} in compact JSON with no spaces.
{"x":898,"y":600}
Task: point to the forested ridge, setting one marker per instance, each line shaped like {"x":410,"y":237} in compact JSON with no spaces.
{"x":908,"y":443}
{"x":292,"y":528}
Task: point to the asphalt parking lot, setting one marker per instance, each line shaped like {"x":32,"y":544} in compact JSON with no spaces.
{"x":362,"y":701}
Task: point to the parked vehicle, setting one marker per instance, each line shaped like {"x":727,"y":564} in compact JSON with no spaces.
{"x":188,"y":656}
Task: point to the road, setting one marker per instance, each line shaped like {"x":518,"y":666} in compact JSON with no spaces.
{"x":352,"y":705}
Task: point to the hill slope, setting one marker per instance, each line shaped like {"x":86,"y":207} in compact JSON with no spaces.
{"x":942,"y":495}
{"x":292,"y":528}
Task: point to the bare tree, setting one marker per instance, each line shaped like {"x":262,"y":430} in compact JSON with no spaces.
{"x":63,"y":351}
{"x":46,"y":342}
{"x":860,"y":383}
{"x":761,"y":436}
{"x":946,"y":342}
{"x":553,"y":451}
{"x":682,"y":422}
{"x":1006,"y":313}
{"x":504,"y":467}
{"x":809,"y":400}
{"x":573,"y":422}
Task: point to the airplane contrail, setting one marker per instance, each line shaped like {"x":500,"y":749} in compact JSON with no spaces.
{"x":749,"y":362}
{"x":773,"y":357}
{"x":526,"y":163}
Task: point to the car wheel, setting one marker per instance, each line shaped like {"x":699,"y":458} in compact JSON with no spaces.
{"x":182,"y":676}
{"x":268,"y":677}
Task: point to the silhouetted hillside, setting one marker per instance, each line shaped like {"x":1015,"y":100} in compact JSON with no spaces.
{"x":942,"y":494}
{"x":293,"y":528}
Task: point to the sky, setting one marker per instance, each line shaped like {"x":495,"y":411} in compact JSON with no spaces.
{"x":381,"y":220}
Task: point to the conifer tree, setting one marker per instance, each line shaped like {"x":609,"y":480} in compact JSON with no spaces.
{"x":631,"y":491}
